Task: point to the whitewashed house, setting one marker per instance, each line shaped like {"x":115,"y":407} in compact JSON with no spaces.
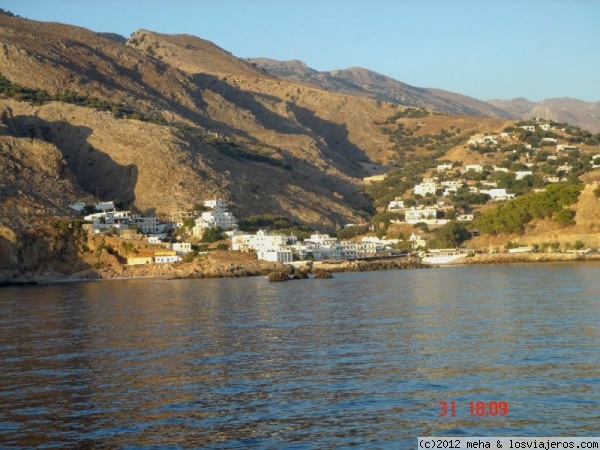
{"x":452,"y":183}
{"x":218,"y":217}
{"x":77,"y":206}
{"x":283,"y":256}
{"x":396,"y":204}
{"x":566,"y":148}
{"x":474,"y":167}
{"x":425,"y":188}
{"x":520,"y":174}
{"x":105,"y":206}
{"x":551,"y":178}
{"x":181,"y":247}
{"x":497,"y":194}
{"x":415,"y":215}
{"x":162,"y":259}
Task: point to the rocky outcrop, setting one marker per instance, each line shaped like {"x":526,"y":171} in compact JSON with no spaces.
{"x":322,"y":274}
{"x":365,"y":265}
{"x":277,"y":276}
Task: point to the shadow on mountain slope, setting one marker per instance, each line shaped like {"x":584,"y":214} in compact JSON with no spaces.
{"x":94,"y":171}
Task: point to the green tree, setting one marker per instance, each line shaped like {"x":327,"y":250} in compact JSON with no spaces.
{"x":189,"y":222}
{"x":453,"y":234}
{"x":212,"y":234}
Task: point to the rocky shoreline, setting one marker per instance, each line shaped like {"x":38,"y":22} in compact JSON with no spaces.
{"x":221,"y":267}
{"x":515,"y":258}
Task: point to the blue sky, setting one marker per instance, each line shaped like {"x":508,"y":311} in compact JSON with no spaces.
{"x":486,"y":49}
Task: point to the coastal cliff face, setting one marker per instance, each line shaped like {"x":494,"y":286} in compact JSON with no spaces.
{"x":41,"y":252}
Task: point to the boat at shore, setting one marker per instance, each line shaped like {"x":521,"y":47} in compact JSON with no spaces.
{"x":442,"y":256}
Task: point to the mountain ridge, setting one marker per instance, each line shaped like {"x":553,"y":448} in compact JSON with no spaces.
{"x":360,"y":81}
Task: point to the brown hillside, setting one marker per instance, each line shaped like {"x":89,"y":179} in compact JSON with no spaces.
{"x":264,"y":144}
{"x":57,"y":57}
{"x":192,"y":54}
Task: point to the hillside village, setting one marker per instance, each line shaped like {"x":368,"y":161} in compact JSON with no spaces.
{"x":283,"y":171}
{"x":521,"y":160}
{"x":216,"y":223}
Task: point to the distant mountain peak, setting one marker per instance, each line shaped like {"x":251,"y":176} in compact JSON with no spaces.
{"x":368,"y":83}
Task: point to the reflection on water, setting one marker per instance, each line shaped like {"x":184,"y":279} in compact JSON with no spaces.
{"x":362,"y":359}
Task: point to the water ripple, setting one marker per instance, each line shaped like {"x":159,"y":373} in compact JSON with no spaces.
{"x":362,"y":360}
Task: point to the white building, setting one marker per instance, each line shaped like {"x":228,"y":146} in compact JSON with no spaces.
{"x":479,"y":139}
{"x":520,"y":174}
{"x":452,"y":183}
{"x":492,"y":184}
{"x":268,"y":247}
{"x":167,"y":259}
{"x":414,"y":215}
{"x":566,"y":148}
{"x":260,"y":241}
{"x":449,"y":191}
{"x":549,"y":139}
{"x":474,"y":167}
{"x":551,"y":179}
{"x":425,"y":188}
{"x":528,"y":128}
{"x":497,"y":194}
{"x":565,"y":168}
{"x":181,"y":247}
{"x":281,"y":256}
{"x":218,"y":217}
{"x":396,"y":205}
{"x":123,"y":220}
{"x":322,"y":246}
{"x":147,"y":225}
{"x":105,"y":206}
{"x":77,"y":206}
{"x":444,"y":167}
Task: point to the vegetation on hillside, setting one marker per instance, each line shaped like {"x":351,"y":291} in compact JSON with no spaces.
{"x":514,"y":215}
{"x":14,"y":91}
{"x":5,"y":12}
{"x":450,"y":235}
{"x":414,"y":156}
{"x":275,"y":222}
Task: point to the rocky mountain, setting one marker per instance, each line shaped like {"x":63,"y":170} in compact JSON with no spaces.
{"x":585,"y":115}
{"x":358,"y":81}
{"x":163,"y":122}
{"x":363,"y":82}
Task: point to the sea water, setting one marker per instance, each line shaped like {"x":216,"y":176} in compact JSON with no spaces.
{"x":364,"y":360}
